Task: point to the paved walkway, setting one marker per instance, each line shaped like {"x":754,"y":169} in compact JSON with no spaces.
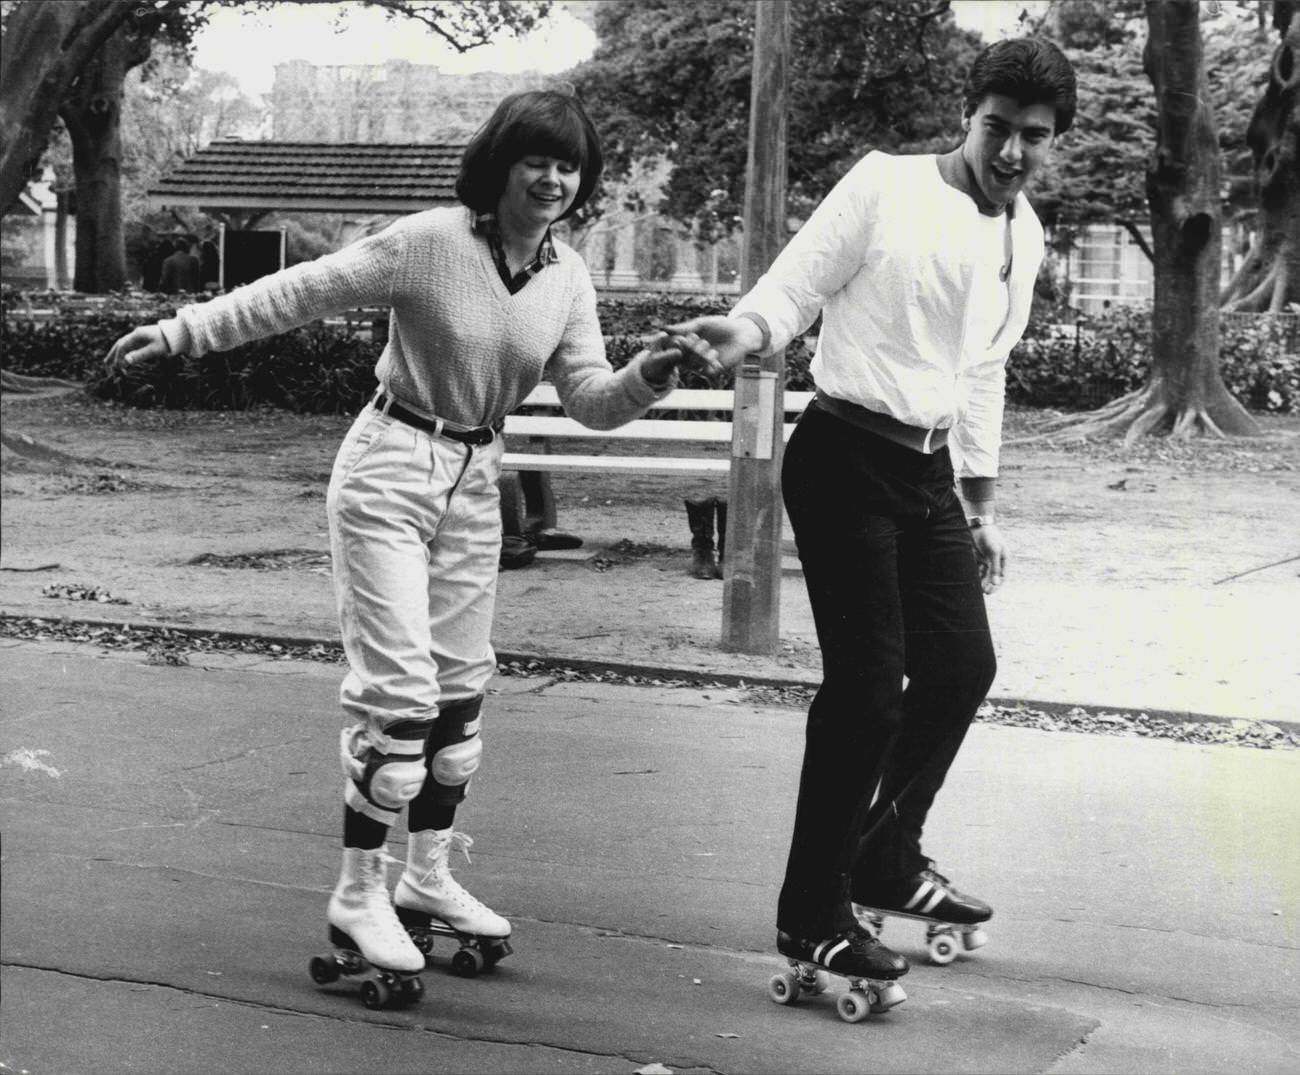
{"x":170,"y":834}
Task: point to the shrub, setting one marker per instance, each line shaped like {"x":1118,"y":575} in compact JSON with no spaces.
{"x":1098,"y":359}
{"x":330,"y":369}
{"x":1259,"y":357}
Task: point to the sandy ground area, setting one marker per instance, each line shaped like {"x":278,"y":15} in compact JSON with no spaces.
{"x":1121,"y":590}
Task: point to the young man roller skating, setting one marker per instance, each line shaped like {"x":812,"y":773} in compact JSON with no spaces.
{"x":922,"y":268}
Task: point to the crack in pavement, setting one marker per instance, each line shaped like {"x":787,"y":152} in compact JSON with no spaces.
{"x":250,"y":752}
{"x":1107,"y":988}
{"x":281,"y":1009}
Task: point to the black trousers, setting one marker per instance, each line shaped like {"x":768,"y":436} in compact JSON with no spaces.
{"x":907,"y":658}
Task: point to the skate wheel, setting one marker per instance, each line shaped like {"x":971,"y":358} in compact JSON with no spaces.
{"x":974,"y":938}
{"x":374,"y":994}
{"x":467,"y":962}
{"x":943,"y":949}
{"x":784,"y":987}
{"x":889,"y":995}
{"x":853,"y":1007}
{"x":412,"y":990}
{"x":322,"y":970}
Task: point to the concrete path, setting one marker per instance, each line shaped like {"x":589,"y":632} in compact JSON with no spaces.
{"x":170,"y":836}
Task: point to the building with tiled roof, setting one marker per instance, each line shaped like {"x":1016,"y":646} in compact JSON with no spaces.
{"x":312,"y":177}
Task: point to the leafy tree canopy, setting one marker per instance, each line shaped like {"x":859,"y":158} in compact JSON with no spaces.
{"x":672,"y":78}
{"x":1098,"y":172}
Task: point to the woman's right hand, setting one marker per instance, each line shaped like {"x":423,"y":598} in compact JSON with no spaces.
{"x":143,"y":344}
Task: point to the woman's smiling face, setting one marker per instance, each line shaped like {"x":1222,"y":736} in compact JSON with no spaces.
{"x":539,"y":190}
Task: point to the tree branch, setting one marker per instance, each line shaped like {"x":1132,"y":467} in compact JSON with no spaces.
{"x":1130,"y":226}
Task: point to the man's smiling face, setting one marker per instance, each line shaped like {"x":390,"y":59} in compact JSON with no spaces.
{"x":1006,"y":143}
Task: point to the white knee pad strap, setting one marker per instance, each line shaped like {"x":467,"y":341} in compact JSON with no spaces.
{"x":453,"y":765}
{"x":380,"y":783}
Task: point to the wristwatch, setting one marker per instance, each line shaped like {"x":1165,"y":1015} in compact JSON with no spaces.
{"x":976,"y":521}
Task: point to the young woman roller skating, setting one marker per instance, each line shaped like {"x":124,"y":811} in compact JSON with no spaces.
{"x":484,"y":302}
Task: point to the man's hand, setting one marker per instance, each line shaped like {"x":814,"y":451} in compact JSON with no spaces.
{"x":732,"y":338}
{"x":991,"y":551}
{"x":144,"y":344}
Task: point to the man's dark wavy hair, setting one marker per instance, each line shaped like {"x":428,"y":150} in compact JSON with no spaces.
{"x":1029,"y":69}
{"x":544,"y":122}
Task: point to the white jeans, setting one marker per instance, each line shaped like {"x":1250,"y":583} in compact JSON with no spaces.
{"x":415,"y":535}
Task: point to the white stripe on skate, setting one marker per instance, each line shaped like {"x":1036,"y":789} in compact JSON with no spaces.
{"x":922,"y":890}
{"x":823,"y":955}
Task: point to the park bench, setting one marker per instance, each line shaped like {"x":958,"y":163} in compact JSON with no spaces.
{"x":691,"y":419}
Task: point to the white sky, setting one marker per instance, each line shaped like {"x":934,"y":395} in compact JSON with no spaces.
{"x":250,"y":44}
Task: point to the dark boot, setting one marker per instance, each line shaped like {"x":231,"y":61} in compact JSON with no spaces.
{"x":722,"y":531}
{"x":699,"y":513}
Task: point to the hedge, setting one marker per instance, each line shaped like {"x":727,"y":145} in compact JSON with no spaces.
{"x":1095,"y":360}
{"x":330,"y":369}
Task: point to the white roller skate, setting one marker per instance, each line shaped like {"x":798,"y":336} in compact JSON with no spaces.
{"x":432,"y":903}
{"x":368,"y":939}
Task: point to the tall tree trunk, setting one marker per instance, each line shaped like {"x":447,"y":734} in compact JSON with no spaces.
{"x":1269,"y":278}
{"x":93,"y":114}
{"x":1183,"y":189}
{"x":1184,"y":393}
{"x":45,"y":45}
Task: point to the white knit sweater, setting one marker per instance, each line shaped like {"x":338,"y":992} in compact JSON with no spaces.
{"x":460,"y":346}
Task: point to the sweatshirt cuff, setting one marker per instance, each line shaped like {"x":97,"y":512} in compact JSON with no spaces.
{"x":177,"y":336}
{"x":763,"y":327}
{"x":978,"y":490}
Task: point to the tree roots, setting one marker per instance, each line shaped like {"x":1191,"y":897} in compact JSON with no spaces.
{"x":1144,"y":411}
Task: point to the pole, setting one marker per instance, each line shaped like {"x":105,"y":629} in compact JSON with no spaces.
{"x":751,"y":597}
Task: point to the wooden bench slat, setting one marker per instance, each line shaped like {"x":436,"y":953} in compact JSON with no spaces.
{"x":688,"y":432}
{"x":609,"y":464}
{"x":683,"y":399}
{"x":519,"y":425}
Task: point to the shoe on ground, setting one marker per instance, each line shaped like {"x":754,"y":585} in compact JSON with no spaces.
{"x":555,"y":540}
{"x":517,"y":552}
{"x":854,"y":952}
{"x":927,"y":894}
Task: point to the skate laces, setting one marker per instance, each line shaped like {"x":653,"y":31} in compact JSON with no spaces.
{"x":457,"y":841}
{"x":934,"y":875}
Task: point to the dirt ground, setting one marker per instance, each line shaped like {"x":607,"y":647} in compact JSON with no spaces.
{"x":1121,"y":580}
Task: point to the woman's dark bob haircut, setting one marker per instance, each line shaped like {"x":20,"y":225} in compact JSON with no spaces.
{"x":543,"y":122}
{"x":1029,"y":69}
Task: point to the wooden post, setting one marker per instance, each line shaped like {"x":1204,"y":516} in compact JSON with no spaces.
{"x":751,"y":596}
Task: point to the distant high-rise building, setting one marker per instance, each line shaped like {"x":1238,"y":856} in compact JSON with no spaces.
{"x":393,"y":102}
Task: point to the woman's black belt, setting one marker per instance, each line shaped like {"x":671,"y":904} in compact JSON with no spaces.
{"x":479,"y":435}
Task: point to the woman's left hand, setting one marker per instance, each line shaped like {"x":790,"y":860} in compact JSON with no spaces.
{"x":667,"y":351}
